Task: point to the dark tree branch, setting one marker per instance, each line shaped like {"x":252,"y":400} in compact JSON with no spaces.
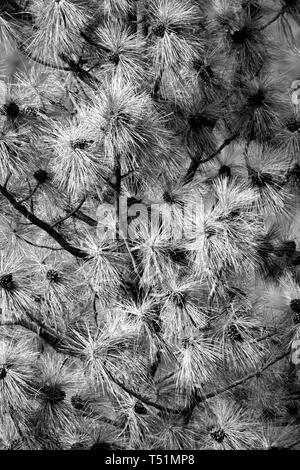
{"x":80,"y":73}
{"x":42,"y":62}
{"x":127,"y":174}
{"x":31,"y":194}
{"x":140,"y":18}
{"x":140,"y":397}
{"x":199,"y":398}
{"x":84,"y":217}
{"x":279,"y":14}
{"x":196,"y":161}
{"x":63,"y":219}
{"x":157,"y":84}
{"x":263,"y":338}
{"x":37,"y":245}
{"x":59,"y":344}
{"x":256,"y":340}
{"x":7,"y":180}
{"x":47,"y":334}
{"x":77,"y":252}
{"x":118,"y":176}
{"x":71,"y":66}
{"x":244,"y":379}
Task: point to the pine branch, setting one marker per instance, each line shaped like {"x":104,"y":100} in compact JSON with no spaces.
{"x":127,"y":174}
{"x":293,"y":445}
{"x":256,"y":340}
{"x":63,"y":219}
{"x":275,"y":18}
{"x":77,"y":252}
{"x":257,"y":373}
{"x":196,"y":161}
{"x":7,"y":180}
{"x":140,"y":18}
{"x":28,"y":54}
{"x":79,"y":72}
{"x":157,"y":84}
{"x":71,"y":66}
{"x":199,"y":398}
{"x":31,"y":194}
{"x":47,"y":334}
{"x":118,"y":178}
{"x":266,"y":336}
{"x":141,"y":397}
{"x":84,"y":217}
{"x":37,"y":245}
{"x":59,"y":344}
{"x":155,"y":364}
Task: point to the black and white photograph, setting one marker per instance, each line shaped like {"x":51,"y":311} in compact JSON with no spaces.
{"x":149,"y":228}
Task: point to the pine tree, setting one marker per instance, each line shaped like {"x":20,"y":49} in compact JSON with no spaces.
{"x":149,"y":242}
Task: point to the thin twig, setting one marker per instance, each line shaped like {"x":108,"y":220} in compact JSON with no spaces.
{"x":37,"y":245}
{"x":63,"y":219}
{"x":281,"y":12}
{"x":243,"y":379}
{"x":262,"y":338}
{"x":293,"y":445}
{"x":31,"y":194}
{"x":196,"y":399}
{"x":141,"y":397}
{"x":127,"y":174}
{"x":196,"y":162}
{"x":42,"y":62}
{"x":166,"y":377}
{"x":131,"y":256}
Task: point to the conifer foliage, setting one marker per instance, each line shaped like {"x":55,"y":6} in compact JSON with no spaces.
{"x":149,"y":246}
